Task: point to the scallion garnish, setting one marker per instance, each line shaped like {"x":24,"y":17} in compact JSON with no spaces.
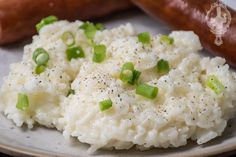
{"x":68,"y":38}
{"x":41,"y":58}
{"x":136,"y":75}
{"x":105,"y":104}
{"x":163,"y":66}
{"x":147,"y":91}
{"x":46,"y":21}
{"x":128,"y":74}
{"x":37,"y":52}
{"x":214,"y":83}
{"x":22,"y":102}
{"x":99,"y":53}
{"x":84,"y":25}
{"x":74,"y":52}
{"x":40,"y":69}
{"x":166,"y":39}
{"x":144,"y":37}
{"x":99,"y":26}
{"x":90,"y":29}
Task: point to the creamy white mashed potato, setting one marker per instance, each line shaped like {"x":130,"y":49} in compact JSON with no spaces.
{"x":185,"y":108}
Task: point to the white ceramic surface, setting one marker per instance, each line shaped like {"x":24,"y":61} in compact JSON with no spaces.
{"x":48,"y":142}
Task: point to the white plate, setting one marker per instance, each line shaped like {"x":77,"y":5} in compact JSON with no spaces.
{"x":48,"y":142}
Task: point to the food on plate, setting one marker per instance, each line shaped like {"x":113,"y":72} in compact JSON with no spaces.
{"x":18,"y":17}
{"x":191,"y":15}
{"x":119,"y":88}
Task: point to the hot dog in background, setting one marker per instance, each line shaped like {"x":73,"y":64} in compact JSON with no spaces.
{"x":192,"y":15}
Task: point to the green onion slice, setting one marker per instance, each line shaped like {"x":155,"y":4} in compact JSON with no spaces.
{"x":40,"y":69}
{"x":99,"y":26}
{"x":68,"y":38}
{"x":163,"y":66}
{"x":147,"y":91}
{"x":22,"y":102}
{"x":46,"y":21}
{"x":126,"y":74}
{"x":42,"y":59}
{"x":37,"y":52}
{"x":144,"y":37}
{"x":40,"y":56}
{"x":136,"y":75}
{"x":74,"y":52}
{"x":90,"y":29}
{"x":84,"y":25}
{"x":214,"y":83}
{"x":166,"y":39}
{"x":105,"y":104}
{"x":99,"y":53}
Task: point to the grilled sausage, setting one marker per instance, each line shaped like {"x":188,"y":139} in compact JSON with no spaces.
{"x":191,"y":15}
{"x":19,"y":17}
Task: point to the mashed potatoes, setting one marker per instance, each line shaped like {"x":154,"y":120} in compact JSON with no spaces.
{"x":185,"y":108}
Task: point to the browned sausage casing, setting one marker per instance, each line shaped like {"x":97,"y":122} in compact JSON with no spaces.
{"x":190,"y":15}
{"x":19,"y":17}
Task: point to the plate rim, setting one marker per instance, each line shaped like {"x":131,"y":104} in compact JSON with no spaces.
{"x":14,"y":150}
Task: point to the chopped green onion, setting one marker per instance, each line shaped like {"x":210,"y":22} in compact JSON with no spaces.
{"x":71,"y":91}
{"x":40,"y":56}
{"x":46,"y":21}
{"x":105,"y":104}
{"x":163,"y":66}
{"x":74,"y":52}
{"x":50,"y":19}
{"x":126,"y":74}
{"x":128,"y":66}
{"x":129,"y":74}
{"x":136,"y":75}
{"x":91,"y":42}
{"x":166,"y":39}
{"x":99,"y":26}
{"x":147,"y":91}
{"x":84,"y":25}
{"x":68,"y":38}
{"x":144,"y":38}
{"x":22,"y":102}
{"x":40,"y":69}
{"x":99,"y":53}
{"x":42,"y":59}
{"x":214,"y":83}
{"x":39,"y":26}
{"x":90,"y":29}
{"x":37,"y":52}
